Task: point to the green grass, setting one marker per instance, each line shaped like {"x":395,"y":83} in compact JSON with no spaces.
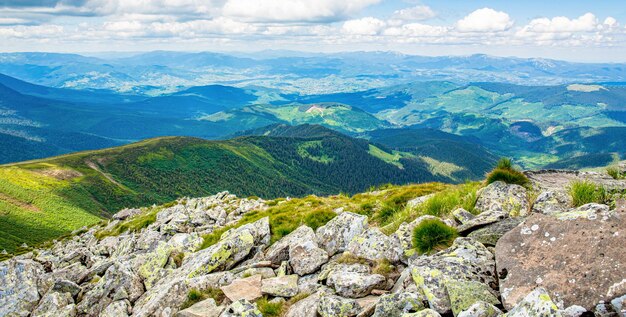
{"x":585,"y":192}
{"x":615,"y":173}
{"x":196,"y":295}
{"x":133,"y":224}
{"x":269,"y":309}
{"x":287,"y":215}
{"x":433,"y":235}
{"x":505,"y":172}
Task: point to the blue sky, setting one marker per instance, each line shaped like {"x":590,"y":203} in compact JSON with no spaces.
{"x":569,"y":30}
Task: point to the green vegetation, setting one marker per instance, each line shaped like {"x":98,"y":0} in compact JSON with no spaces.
{"x":433,"y":235}
{"x":615,"y":173}
{"x":505,"y":172}
{"x":269,"y":309}
{"x":133,"y":224}
{"x":195,"y":296}
{"x":585,"y":192}
{"x":287,"y":215}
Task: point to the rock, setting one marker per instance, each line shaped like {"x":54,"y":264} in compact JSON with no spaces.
{"x":538,"y":303}
{"x":233,"y":247}
{"x":241,"y":308}
{"x":573,"y":311}
{"x":205,"y":308}
{"x":490,"y":234}
{"x":418,"y":201}
{"x":308,"y":284}
{"x":119,"y":282}
{"x":265,"y":272}
{"x":590,"y":211}
{"x":423,"y":313}
{"x":55,"y":304}
{"x":481,"y":309}
{"x":464,"y":294}
{"x":65,"y":286}
{"x":552,"y":202}
{"x":279,"y":251}
{"x":335,"y":306}
{"x":507,"y":199}
{"x":482,"y":219}
{"x":462,"y":215}
{"x":246,"y":288}
{"x":120,"y":308}
{"x":546,"y":251}
{"x":392,"y":305}
{"x":306,"y":307}
{"x":605,"y":310}
{"x":367,"y":305}
{"x":284,"y":286}
{"x":335,"y":235}
{"x":18,"y":287}
{"x":404,"y":234}
{"x":306,"y":258}
{"x":619,"y":304}
{"x":126,"y":213}
{"x":353,"y":284}
{"x":465,"y":261}
{"x":375,"y":245}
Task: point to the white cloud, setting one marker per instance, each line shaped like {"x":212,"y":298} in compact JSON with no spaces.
{"x":585,"y":23}
{"x":417,"y":30}
{"x":294,"y":10}
{"x":485,"y":20}
{"x":416,"y":13}
{"x":364,"y":26}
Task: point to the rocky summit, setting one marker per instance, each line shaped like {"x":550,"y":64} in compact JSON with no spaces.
{"x":522,"y":251}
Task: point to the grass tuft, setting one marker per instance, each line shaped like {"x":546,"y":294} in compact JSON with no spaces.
{"x":195,"y":296}
{"x":505,"y":172}
{"x":269,"y":309}
{"x":585,"y":192}
{"x":433,"y":235}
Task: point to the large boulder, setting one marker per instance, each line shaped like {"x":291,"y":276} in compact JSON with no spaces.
{"x":247,"y":288}
{"x":306,"y":307}
{"x":481,"y":309}
{"x":283,"y":286}
{"x":205,"y":308}
{"x":396,"y":304}
{"x":536,"y":304}
{"x":55,"y":304}
{"x":466,"y":267}
{"x":375,"y":245}
{"x":336,"y":306}
{"x":18,"y":287}
{"x":306,"y":258}
{"x":335,"y":235}
{"x":490,"y":234}
{"x":234,"y":246}
{"x":551,"y":202}
{"x":573,"y":255}
{"x":279,"y":251}
{"x":355,"y":284}
{"x":500,"y":197}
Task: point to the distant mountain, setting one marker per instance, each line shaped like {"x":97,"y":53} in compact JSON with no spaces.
{"x":49,"y":197}
{"x":304,"y":73}
{"x":340,"y":117}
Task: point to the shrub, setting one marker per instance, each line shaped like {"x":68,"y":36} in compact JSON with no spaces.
{"x":319,"y":218}
{"x":584,"y":192}
{"x":269,"y":309}
{"x":195,"y":296}
{"x":614,"y":172}
{"x":432,"y":235}
{"x":505,"y":172}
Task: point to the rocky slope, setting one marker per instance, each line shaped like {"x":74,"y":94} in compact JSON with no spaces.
{"x":517,"y":256}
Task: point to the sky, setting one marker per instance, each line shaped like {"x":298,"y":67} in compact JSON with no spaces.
{"x":575,"y":30}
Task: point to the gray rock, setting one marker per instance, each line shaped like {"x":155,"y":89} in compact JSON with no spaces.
{"x":538,"y":303}
{"x":490,"y":234}
{"x":573,"y":311}
{"x":481,"y":309}
{"x":423,"y":313}
{"x":126,"y":213}
{"x":284,"y":286}
{"x":335,"y":236}
{"x":590,"y":211}
{"x":18,"y":287}
{"x":120,"y":308}
{"x":65,"y":286}
{"x":619,"y":305}
{"x":481,"y":220}
{"x":306,"y":307}
{"x":306,"y":258}
{"x":355,"y":285}
{"x":241,"y":308}
{"x":375,"y":245}
{"x":205,"y":308}
{"x":462,"y":215}
{"x":452,"y":269}
{"x":279,"y":251}
{"x":552,"y":202}
{"x":55,"y":304}
{"x":119,"y":282}
{"x":500,"y":197}
{"x":392,"y":305}
{"x":336,"y":306}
